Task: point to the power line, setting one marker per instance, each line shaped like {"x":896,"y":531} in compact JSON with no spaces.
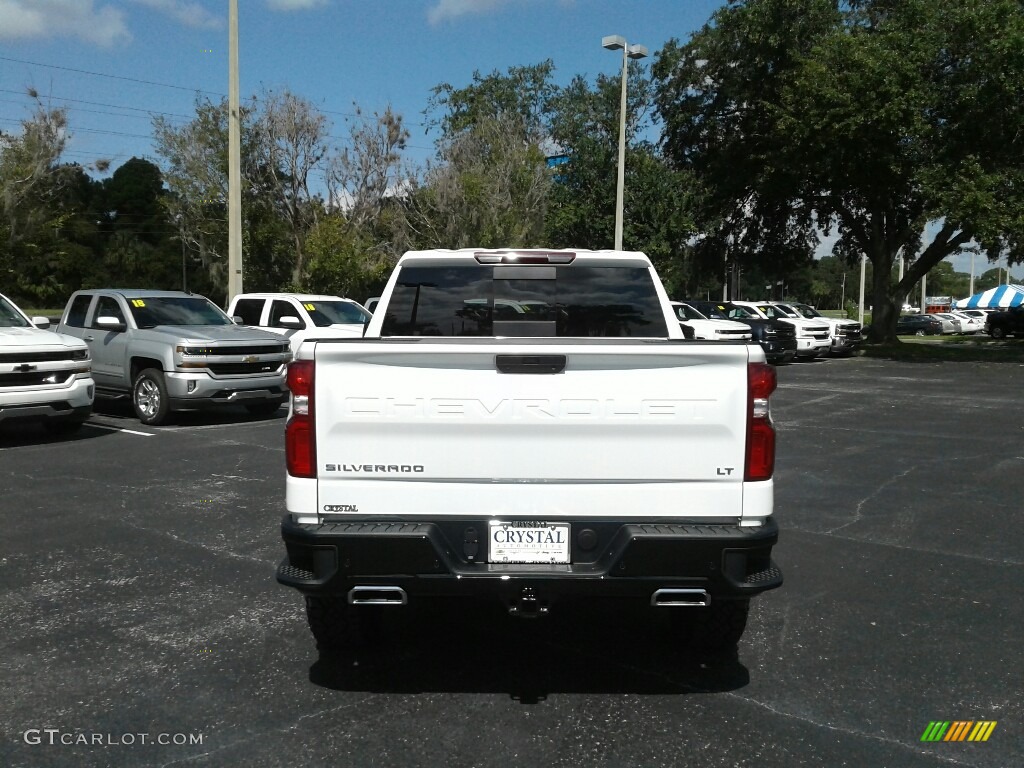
{"x":167,"y":85}
{"x":87,"y":130}
{"x":77,"y":110}
{"x":101,"y":104}
{"x":113,"y":77}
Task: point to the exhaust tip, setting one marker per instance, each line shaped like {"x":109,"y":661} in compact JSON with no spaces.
{"x":377,"y":596}
{"x":681,"y":598}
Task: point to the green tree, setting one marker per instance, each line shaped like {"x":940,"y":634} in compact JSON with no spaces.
{"x":140,"y":248}
{"x":342,"y":262}
{"x":32,"y":186}
{"x":523,"y":93}
{"x":292,"y":136}
{"x":489,"y":183}
{"x":195,"y":169}
{"x":584,"y":124}
{"x":878,"y":117}
{"x":367,"y":180}
{"x":489,"y":188}
{"x":715,"y":97}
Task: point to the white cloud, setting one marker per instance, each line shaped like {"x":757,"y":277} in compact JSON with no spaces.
{"x":26,"y":19}
{"x":191,"y":14}
{"x":294,"y":5}
{"x":452,"y":9}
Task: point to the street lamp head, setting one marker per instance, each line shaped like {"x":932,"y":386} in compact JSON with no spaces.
{"x":637,"y":51}
{"x":613,"y":42}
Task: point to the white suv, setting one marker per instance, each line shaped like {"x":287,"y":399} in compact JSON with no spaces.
{"x":44,"y":376}
{"x":301,"y":315}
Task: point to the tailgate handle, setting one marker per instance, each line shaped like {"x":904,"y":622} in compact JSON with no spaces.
{"x":530,"y":363}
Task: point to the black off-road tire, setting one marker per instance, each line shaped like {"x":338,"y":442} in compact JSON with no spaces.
{"x":998,"y":332}
{"x":263,"y":409}
{"x":339,"y":627}
{"x":718,"y":627}
{"x":149,"y":397}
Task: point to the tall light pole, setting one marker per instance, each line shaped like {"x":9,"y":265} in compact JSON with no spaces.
{"x":863,"y":273}
{"x":234,"y":161}
{"x":613,"y":43}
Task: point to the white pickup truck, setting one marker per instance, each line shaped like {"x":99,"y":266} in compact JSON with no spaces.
{"x":44,"y":376}
{"x":579,"y":449}
{"x":812,"y":336}
{"x":297,"y":316}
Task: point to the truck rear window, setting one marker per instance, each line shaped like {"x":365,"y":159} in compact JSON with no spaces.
{"x":502,"y":300}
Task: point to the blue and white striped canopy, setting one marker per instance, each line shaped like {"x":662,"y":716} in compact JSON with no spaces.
{"x":1000,"y":296}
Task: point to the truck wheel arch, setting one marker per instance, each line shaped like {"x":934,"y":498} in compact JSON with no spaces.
{"x":139,"y":364}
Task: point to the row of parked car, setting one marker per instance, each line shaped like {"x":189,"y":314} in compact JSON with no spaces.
{"x":164,"y":351}
{"x":169,"y":351}
{"x":785,"y":330}
{"x":996,"y":323}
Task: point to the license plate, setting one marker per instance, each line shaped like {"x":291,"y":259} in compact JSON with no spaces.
{"x":528,"y":542}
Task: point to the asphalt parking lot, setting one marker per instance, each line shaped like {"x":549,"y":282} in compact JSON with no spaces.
{"x":138,"y":599}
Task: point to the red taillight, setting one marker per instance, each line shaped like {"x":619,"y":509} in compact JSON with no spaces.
{"x":299,"y":432}
{"x":300,"y":377}
{"x":761,"y":382}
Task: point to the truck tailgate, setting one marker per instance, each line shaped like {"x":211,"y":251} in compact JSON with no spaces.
{"x":619,"y":432}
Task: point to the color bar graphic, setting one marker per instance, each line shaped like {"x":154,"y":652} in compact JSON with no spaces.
{"x":958,"y":730}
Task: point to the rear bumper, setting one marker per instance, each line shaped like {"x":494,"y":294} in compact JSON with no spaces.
{"x":443,"y":559}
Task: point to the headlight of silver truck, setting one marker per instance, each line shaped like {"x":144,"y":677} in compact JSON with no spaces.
{"x":192,"y":357}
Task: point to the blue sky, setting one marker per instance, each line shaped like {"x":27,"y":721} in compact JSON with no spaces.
{"x":333,"y":52}
{"x":373,"y":53}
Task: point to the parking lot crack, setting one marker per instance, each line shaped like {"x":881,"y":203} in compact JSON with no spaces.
{"x":858,"y":512}
{"x":285,"y":729}
{"x":849,"y":731}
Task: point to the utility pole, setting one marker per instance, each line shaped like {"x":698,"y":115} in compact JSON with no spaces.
{"x":971,"y":291}
{"x":863,"y":275}
{"x":234,"y":161}
{"x":613,"y":43}
{"x":900,"y":280}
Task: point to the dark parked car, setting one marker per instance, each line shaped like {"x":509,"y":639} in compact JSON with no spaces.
{"x":777,"y":338}
{"x":918,"y":325}
{"x":999,"y":325}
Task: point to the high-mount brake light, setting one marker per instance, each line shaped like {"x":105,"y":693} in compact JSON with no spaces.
{"x":525,"y":257}
{"x":760,"y":459}
{"x":300,"y":431}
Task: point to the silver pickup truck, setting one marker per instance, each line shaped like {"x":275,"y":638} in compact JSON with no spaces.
{"x":175,"y":351}
{"x":531,"y":427}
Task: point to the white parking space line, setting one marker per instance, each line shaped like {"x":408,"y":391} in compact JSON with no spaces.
{"x":118,"y":429}
{"x":198,"y":427}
